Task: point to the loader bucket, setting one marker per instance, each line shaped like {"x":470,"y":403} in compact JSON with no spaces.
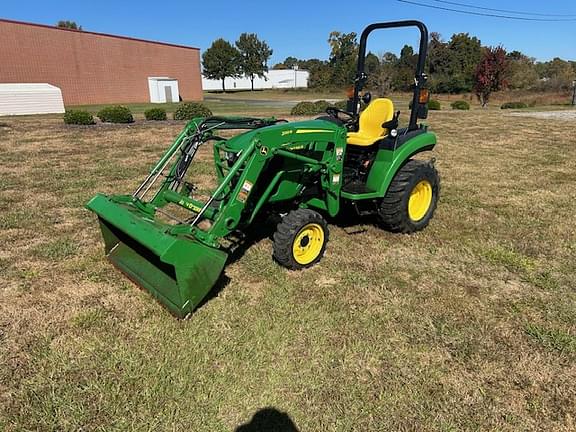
{"x":178,"y":271}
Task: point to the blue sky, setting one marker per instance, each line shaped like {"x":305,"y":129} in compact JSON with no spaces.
{"x":300,"y":28}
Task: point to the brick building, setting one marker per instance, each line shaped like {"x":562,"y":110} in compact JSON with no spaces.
{"x":94,"y":68}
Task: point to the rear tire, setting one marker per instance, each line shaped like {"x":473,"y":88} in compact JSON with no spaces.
{"x":300,"y":239}
{"x":411,"y":199}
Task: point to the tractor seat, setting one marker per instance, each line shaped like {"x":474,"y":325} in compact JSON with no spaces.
{"x":370,"y":129}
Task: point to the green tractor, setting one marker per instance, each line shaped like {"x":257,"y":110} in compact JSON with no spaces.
{"x":302,"y":173}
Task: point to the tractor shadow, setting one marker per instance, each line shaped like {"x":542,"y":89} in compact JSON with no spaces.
{"x":269,"y":420}
{"x":351,"y":223}
{"x":258,"y":231}
{"x":347,"y":220}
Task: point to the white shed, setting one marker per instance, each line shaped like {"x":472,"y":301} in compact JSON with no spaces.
{"x":163,"y":89}
{"x":30,"y":98}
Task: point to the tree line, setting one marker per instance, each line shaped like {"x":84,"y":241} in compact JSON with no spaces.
{"x":458,"y":65}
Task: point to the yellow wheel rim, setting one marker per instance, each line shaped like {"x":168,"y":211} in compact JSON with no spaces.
{"x":308,"y":243}
{"x":420,"y":200}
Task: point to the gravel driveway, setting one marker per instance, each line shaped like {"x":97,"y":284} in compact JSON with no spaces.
{"x":559,"y":115}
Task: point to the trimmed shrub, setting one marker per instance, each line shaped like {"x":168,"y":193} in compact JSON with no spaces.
{"x":460,"y":105}
{"x":434,"y":105}
{"x":321,"y":106}
{"x":343,"y":104}
{"x":513,"y":105}
{"x":318,"y":107}
{"x":304,"y":108}
{"x":78,"y":117}
{"x":115,"y":114}
{"x":158,"y":114}
{"x":190,"y":110}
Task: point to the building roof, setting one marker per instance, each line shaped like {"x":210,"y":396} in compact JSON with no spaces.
{"x":27,"y":87}
{"x":96,"y":33}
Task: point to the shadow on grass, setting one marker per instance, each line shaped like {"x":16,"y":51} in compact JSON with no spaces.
{"x":348,"y":220}
{"x":267,"y":420}
{"x":256,"y":232}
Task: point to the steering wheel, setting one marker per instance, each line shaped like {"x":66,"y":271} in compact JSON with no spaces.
{"x":335,"y":112}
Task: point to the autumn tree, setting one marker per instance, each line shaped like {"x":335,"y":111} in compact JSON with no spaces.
{"x":254,"y":55}
{"x":220,"y":61}
{"x":490,"y":75}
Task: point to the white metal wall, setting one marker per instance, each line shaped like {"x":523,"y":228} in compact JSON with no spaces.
{"x":30,"y":98}
{"x":276,"y":78}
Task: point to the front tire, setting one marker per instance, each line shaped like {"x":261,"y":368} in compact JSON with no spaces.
{"x":411,"y":199}
{"x":300,"y":239}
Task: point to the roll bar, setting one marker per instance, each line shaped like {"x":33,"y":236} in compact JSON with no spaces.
{"x":419,"y":78}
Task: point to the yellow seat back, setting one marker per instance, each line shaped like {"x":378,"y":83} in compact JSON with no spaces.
{"x":370,"y":128}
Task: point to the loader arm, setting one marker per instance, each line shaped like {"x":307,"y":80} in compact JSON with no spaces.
{"x":272,"y":164}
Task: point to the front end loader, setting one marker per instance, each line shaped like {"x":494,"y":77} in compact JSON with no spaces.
{"x":176,"y":245}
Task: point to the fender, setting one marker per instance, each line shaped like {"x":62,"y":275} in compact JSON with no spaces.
{"x":388,"y":162}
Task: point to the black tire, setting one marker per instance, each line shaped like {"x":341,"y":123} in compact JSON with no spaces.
{"x":394,"y":209}
{"x":288,"y":232}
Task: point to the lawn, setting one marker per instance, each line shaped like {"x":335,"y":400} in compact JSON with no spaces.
{"x":468,"y":325}
{"x":271,"y":102}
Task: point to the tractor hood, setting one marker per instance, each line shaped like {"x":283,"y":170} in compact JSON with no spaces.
{"x":283,"y":132}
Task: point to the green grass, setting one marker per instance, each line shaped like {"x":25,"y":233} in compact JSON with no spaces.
{"x":279,"y":94}
{"x":261,"y":102}
{"x":554,"y":339}
{"x":57,"y":250}
{"x":467,"y":325}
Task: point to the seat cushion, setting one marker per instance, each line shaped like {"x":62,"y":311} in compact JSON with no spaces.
{"x":370,"y":129}
{"x":358,"y":138}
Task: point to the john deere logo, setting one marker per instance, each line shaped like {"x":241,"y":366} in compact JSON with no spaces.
{"x":264,"y":151}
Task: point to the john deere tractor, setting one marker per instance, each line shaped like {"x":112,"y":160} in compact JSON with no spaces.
{"x":301,"y":173}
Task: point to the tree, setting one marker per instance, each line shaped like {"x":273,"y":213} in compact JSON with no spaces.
{"x":440,"y":64}
{"x":439,"y":56}
{"x":522,"y":72}
{"x":557,"y":74}
{"x":320,"y":72}
{"x":69,"y":25}
{"x":372,"y":69}
{"x":288,"y":63}
{"x":403,"y":78}
{"x":254,"y":55}
{"x":220,"y":61}
{"x":490,"y":75}
{"x":382,"y":82}
{"x":343,"y":56}
{"x":466,"y":53}
{"x":371,"y":63}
